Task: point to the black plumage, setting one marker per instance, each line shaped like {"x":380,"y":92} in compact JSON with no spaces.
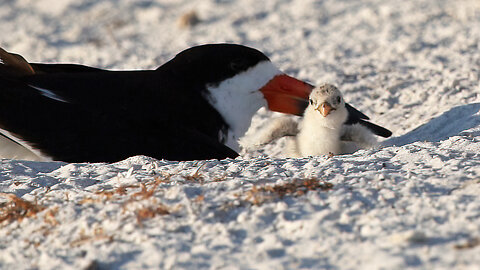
{"x":111,"y":115}
{"x":76,"y":113}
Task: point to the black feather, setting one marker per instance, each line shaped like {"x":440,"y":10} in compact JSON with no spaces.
{"x":354,"y":115}
{"x":376,"y":129}
{"x":112,"y":115}
{"x":357,"y":117}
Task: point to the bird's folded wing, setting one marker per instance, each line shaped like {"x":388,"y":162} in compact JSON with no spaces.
{"x":40,"y":68}
{"x":108,"y":116}
{"x":376,"y":129}
{"x":355,"y":116}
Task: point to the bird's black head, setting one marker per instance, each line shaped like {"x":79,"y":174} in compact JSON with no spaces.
{"x":213,"y":63}
{"x":237,"y":76}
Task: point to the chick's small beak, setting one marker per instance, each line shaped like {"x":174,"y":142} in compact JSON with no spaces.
{"x":325,"y":108}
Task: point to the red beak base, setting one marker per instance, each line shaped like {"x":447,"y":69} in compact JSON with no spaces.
{"x":286,"y":94}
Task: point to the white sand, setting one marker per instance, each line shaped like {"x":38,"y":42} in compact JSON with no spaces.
{"x":412,"y":66}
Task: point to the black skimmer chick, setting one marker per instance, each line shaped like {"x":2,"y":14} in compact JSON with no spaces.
{"x":329,"y":126}
{"x":321,"y":128}
{"x":195,"y":106}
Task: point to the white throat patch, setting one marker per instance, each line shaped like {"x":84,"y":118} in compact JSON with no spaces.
{"x":238,"y":98}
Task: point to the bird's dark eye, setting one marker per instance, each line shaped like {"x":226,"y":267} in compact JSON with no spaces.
{"x":339,"y":99}
{"x":311,"y":101}
{"x":238,"y":64}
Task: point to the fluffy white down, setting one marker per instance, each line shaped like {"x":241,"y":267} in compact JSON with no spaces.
{"x":356,"y":137}
{"x":314,"y":134}
{"x":238,"y":99}
{"x":320,"y":135}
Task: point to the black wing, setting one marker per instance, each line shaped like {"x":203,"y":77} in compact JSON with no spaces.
{"x":108,"y":116}
{"x":40,"y":68}
{"x":357,"y":117}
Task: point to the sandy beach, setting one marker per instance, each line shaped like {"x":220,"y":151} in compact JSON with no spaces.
{"x":410,"y":203}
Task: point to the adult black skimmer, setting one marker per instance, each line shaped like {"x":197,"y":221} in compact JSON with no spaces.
{"x":195,"y":106}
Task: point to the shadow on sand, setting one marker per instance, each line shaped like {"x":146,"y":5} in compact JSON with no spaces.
{"x":448,"y":124}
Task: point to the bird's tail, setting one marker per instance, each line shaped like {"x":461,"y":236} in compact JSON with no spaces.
{"x":377,"y":130}
{"x":14,"y":65}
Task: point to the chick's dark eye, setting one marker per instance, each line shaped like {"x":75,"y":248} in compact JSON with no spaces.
{"x":339,"y":99}
{"x":311,"y":101}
